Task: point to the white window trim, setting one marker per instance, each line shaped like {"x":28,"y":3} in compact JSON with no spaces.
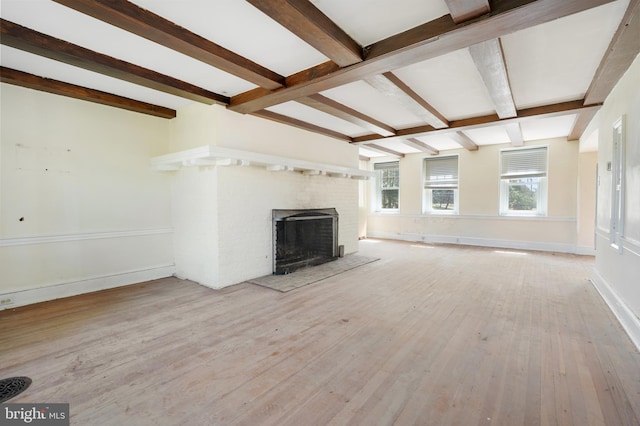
{"x":376,"y":192}
{"x":618,"y":161}
{"x":541,"y":200}
{"x":542,"y":207}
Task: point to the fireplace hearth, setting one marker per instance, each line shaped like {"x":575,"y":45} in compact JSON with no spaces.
{"x":303,"y":238}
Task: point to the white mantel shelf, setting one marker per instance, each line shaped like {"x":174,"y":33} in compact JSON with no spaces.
{"x":212,"y":155}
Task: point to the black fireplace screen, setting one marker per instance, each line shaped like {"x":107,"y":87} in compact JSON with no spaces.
{"x":304,"y":238}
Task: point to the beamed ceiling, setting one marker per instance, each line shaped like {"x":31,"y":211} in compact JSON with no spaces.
{"x":392,"y":76}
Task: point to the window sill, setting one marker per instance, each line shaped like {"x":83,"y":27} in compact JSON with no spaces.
{"x":523,"y":215}
{"x":434,"y":213}
{"x":477,"y":217}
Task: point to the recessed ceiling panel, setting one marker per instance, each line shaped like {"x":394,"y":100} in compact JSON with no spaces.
{"x":44,"y":67}
{"x":311,"y":115}
{"x":369,"y":21}
{"x":547,"y":128}
{"x":72,"y":26}
{"x":397,"y":146}
{"x":369,"y":153}
{"x":556,"y":61}
{"x":488,"y":135}
{"x":241,"y":28}
{"x":364,"y":98}
{"x":451,"y":84}
{"x":440,"y":142}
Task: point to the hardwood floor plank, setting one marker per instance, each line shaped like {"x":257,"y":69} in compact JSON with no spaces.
{"x":429,"y":334}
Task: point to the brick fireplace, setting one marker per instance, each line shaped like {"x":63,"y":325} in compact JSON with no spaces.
{"x":228,"y":172}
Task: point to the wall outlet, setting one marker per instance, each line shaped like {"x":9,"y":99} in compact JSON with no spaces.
{"x":6,"y":301}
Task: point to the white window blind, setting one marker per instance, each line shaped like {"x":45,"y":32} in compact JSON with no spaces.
{"x":388,"y":174}
{"x":386,"y":166}
{"x":524,"y":163}
{"x":441,"y":172}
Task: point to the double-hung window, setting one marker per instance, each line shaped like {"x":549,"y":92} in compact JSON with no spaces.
{"x":387,"y":185}
{"x":441,"y":185}
{"x":523,"y":182}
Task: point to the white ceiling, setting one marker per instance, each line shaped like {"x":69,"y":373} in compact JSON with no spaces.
{"x":363,"y":97}
{"x":220,"y":21}
{"x":369,"y":21}
{"x":452,"y":84}
{"x":546,"y":64}
{"x":556,"y":61}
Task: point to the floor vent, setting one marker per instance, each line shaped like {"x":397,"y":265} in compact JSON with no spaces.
{"x":12,"y":387}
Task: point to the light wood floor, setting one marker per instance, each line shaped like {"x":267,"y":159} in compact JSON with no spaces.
{"x":427,"y":335}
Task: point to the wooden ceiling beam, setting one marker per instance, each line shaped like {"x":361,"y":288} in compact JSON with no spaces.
{"x":130,"y":17}
{"x":489,"y":59}
{"x":547,"y":111}
{"x":321,"y":70}
{"x":336,"y":109}
{"x":31,"y":41}
{"x":391,"y":86}
{"x":383,"y":150}
{"x":463,"y":140}
{"x":580,"y":125}
{"x":429,"y":40}
{"x":317,"y":71}
{"x":515,"y":133}
{"x":306,"y":21}
{"x":290,"y":121}
{"x":421,"y":146}
{"x":23,"y":79}
{"x":465,"y":10}
{"x":623,"y":49}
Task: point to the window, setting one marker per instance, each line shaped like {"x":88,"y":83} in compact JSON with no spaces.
{"x":523,"y":182}
{"x":617,"y":185}
{"x":441,"y":185}
{"x":388,"y":185}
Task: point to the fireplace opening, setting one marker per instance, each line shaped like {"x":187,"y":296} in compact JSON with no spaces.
{"x":304,"y":238}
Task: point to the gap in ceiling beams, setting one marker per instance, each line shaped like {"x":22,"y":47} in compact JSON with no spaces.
{"x":141,"y":22}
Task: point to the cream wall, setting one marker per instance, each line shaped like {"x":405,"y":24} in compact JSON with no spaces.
{"x":479,"y":222}
{"x":198,"y":125}
{"x":80,"y":208}
{"x":617,"y":272}
{"x":363,"y":203}
{"x":587,"y":179}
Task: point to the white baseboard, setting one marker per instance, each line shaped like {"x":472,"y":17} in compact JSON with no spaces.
{"x":585,"y":250}
{"x":627,"y":319}
{"x":483,"y":242}
{"x":73,"y":288}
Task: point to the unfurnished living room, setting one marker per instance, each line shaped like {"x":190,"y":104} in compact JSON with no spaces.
{"x":312,"y":212}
